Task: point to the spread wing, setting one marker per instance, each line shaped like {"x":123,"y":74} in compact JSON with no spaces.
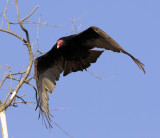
{"x":95,"y":37}
{"x":47,"y":70}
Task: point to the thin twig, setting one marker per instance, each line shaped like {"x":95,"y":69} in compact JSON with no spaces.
{"x":14,"y":34}
{"x":58,"y":109}
{"x":95,"y":75}
{"x":74,"y":23}
{"x":41,"y":52}
{"x":37,"y":36}
{"x":1,"y":24}
{"x":4,"y":14}
{"x":21,"y":24}
{"x":62,"y":129}
{"x":30,"y":105}
{"x":27,"y":82}
{"x":79,"y":27}
{"x":74,"y":26}
{"x":84,"y":14}
{"x":3,"y":80}
{"x":30,"y":14}
{"x":10,"y":77}
{"x":20,"y":97}
{"x":23,"y":72}
{"x":6,"y":76}
{"x":10,"y":86}
{"x":29,"y":22}
{"x":98,"y":76}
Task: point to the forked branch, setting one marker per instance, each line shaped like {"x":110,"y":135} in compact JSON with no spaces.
{"x":30,"y":60}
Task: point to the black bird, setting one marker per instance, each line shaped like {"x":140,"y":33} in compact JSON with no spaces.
{"x":71,"y":54}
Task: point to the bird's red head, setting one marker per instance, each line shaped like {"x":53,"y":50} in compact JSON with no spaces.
{"x":60,"y":43}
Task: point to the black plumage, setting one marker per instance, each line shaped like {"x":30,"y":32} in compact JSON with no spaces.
{"x":70,"y":54}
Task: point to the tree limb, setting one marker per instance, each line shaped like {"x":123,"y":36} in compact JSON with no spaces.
{"x":14,"y":34}
{"x":37,"y":37}
{"x":30,"y":14}
{"x":4,"y":14}
{"x":30,"y":61}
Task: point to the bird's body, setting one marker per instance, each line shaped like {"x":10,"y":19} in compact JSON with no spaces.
{"x":70,"y":54}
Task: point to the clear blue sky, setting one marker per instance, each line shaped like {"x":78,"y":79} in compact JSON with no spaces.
{"x":126,"y":104}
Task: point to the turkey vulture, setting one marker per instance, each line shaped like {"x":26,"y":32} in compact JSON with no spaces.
{"x":71,"y":54}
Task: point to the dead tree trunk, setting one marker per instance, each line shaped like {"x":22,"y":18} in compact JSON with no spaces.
{"x":4,"y":124}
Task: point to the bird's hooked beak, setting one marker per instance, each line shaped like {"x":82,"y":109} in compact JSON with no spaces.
{"x":59,"y":43}
{"x":58,"y":46}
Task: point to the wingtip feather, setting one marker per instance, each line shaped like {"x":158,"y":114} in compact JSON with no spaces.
{"x":140,"y":64}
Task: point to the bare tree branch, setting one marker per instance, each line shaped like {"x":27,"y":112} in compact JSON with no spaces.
{"x":14,"y":34}
{"x":27,"y":82}
{"x":4,"y":14}
{"x":19,"y":97}
{"x":58,"y":109}
{"x":30,"y":79}
{"x":10,"y":78}
{"x":29,"y":22}
{"x":4,"y":78}
{"x":3,"y":123}
{"x":1,"y":24}
{"x":30,"y":61}
{"x":74,"y":21}
{"x":98,"y":76}
{"x":62,"y":129}
{"x":95,"y":75}
{"x":37,"y":37}
{"x":10,"y":86}
{"x":23,"y":28}
{"x":30,"y":14}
